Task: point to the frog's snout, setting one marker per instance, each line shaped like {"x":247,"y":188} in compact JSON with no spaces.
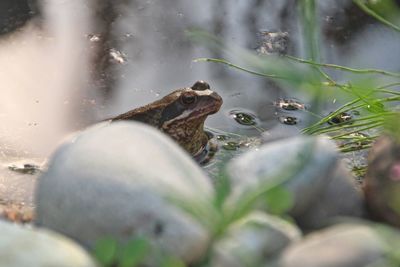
{"x":217,"y":97}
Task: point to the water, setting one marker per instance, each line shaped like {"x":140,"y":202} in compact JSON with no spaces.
{"x":70,"y":68}
{"x":42,"y":86}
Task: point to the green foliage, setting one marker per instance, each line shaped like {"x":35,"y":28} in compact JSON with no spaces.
{"x":105,"y":251}
{"x":392,"y":125}
{"x":279,"y":200}
{"x":385,"y":11}
{"x":132,"y":253}
{"x":391,"y":238}
{"x":222,"y":189}
{"x":310,"y":28}
{"x":109,"y":252}
{"x":172,"y":262}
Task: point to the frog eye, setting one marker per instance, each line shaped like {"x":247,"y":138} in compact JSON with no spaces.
{"x":188,"y":99}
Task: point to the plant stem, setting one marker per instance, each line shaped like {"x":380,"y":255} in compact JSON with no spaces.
{"x":372,"y":13}
{"x":339,"y":67}
{"x":371,"y":125}
{"x":389,"y":85}
{"x":225,"y":62}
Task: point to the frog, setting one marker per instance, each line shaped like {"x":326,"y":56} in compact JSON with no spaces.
{"x":181,"y":115}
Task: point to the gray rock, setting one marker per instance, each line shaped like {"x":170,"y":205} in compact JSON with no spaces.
{"x":127,"y":180}
{"x":25,"y":246}
{"x":340,"y":197}
{"x":342,"y":245}
{"x":253,"y":239}
{"x":309,"y":168}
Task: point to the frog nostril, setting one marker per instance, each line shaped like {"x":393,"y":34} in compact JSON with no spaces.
{"x":200,"y":86}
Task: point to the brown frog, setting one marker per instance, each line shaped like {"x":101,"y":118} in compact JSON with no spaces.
{"x":181,"y":115}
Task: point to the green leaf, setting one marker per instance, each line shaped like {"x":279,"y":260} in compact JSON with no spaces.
{"x":376,"y":107}
{"x":279,"y":200}
{"x":133,"y":253}
{"x":105,"y":251}
{"x":222,"y":188}
{"x":172,"y":262}
{"x":392,"y":125}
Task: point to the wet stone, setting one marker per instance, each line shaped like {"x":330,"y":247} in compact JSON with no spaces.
{"x":341,"y":118}
{"x":344,"y":245}
{"x":289,"y":104}
{"x":35,"y":247}
{"x":127,"y":180}
{"x":252,"y":239}
{"x":314,"y":176}
{"x":26,"y":168}
{"x":288,"y":120}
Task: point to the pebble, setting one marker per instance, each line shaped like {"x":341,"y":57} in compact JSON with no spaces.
{"x":251,"y":240}
{"x":127,"y":180}
{"x":33,"y":247}
{"x":309,"y":168}
{"x":343,"y":245}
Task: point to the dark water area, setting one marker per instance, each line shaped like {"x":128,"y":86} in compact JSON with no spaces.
{"x":137,"y":51}
{"x":14,"y":14}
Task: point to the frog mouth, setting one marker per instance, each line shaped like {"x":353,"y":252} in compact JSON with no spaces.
{"x":198,"y":113}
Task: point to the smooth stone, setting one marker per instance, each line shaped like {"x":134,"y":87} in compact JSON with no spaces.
{"x":252,"y":239}
{"x":307,"y":167}
{"x":342,"y":245}
{"x":341,"y":197}
{"x":33,"y":247}
{"x":127,"y":180}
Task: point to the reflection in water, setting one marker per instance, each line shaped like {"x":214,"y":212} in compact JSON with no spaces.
{"x":45,"y":72}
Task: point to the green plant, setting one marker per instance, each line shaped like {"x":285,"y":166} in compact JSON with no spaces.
{"x":109,"y":252}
